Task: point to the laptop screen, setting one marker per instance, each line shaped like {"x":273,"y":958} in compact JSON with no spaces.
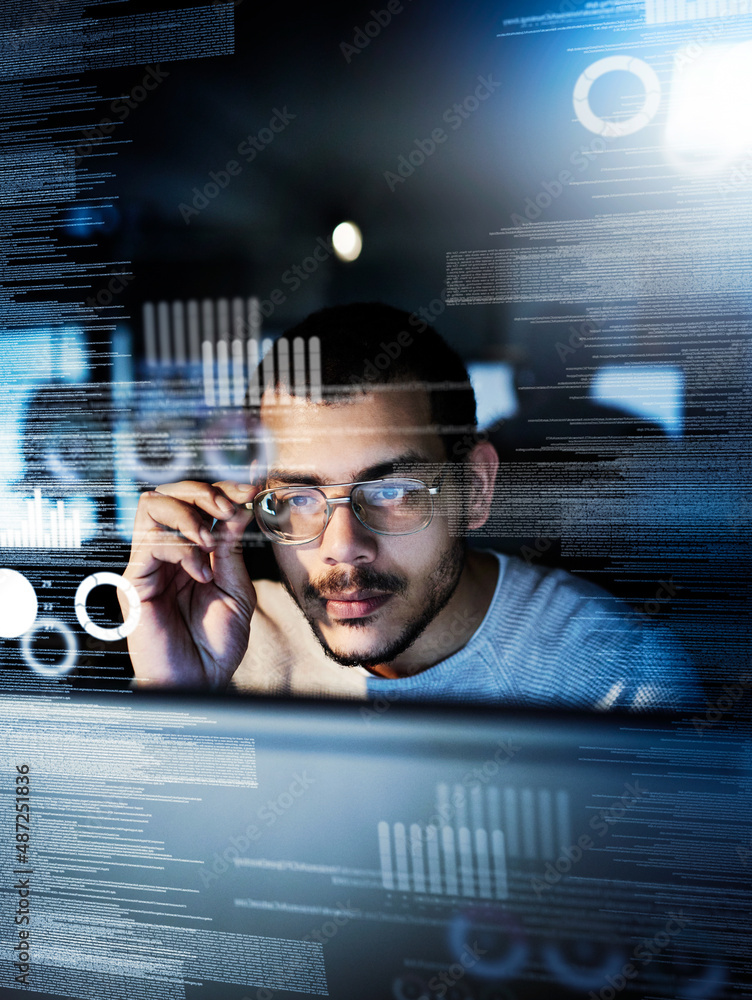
{"x":257,"y":849}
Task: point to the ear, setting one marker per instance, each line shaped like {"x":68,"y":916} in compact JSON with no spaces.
{"x":481,"y":469}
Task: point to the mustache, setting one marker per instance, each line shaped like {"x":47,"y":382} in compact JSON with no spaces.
{"x":341,"y":581}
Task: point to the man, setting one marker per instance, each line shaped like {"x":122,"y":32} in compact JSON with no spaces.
{"x":373,"y":477}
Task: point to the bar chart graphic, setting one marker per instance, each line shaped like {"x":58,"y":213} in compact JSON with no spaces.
{"x":465,"y":847}
{"x":236,"y":372}
{"x":221,"y":339}
{"x":45,"y":526}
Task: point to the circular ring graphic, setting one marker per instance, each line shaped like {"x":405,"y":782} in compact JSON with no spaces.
{"x":578,"y":977}
{"x":408,"y":987}
{"x":98,"y":631}
{"x":647,"y":76}
{"x":46,"y":669}
{"x":166,"y":468}
{"x":462,"y":930}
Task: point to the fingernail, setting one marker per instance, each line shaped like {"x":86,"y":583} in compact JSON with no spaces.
{"x":207,"y":573}
{"x":245,"y":487}
{"x":207,"y":537}
{"x":224,"y":504}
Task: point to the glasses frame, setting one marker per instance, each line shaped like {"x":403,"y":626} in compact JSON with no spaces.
{"x":433,"y":491}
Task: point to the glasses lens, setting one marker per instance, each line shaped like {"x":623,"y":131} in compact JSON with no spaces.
{"x":393,"y":506}
{"x":292,"y":515}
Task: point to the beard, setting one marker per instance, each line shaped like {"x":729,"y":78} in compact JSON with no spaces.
{"x":441,"y":585}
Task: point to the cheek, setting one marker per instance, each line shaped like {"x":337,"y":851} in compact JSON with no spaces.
{"x":414,"y":555}
{"x":291,"y":565}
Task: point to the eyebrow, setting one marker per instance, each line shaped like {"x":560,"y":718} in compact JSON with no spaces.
{"x":291,"y":477}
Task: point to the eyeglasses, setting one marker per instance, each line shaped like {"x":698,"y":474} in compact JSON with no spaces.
{"x":292,"y":515}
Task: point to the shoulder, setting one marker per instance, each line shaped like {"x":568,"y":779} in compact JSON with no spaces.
{"x":570,"y":641}
{"x":550,"y":597}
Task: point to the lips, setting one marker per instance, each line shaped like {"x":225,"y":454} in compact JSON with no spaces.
{"x":359,"y":604}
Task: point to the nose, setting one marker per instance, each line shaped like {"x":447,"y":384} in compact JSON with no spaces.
{"x":346,"y":540}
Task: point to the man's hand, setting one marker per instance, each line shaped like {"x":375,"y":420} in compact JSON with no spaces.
{"x":196,"y":596}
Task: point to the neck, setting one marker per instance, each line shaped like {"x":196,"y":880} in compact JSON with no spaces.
{"x":454,"y":625}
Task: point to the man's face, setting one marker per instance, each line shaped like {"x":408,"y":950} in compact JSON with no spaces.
{"x":366,"y":596}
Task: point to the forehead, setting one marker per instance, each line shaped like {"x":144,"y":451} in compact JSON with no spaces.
{"x":337,"y":439}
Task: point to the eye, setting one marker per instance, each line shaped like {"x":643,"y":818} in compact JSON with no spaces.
{"x":386,"y":493}
{"x":292,"y":499}
{"x":390,"y":492}
{"x":300,"y":501}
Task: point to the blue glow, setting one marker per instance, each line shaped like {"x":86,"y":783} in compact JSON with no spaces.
{"x":29,"y":358}
{"x":653,"y":392}
{"x":84,"y":221}
{"x":80,"y":221}
{"x":72,"y":360}
{"x":493,"y":382}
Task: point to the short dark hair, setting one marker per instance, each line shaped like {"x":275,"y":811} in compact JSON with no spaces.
{"x":366,"y":344}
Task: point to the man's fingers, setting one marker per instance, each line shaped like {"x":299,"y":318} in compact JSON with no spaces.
{"x":156,"y":511}
{"x":213,"y":500}
{"x":239,"y":493}
{"x":162,"y":547}
{"x":173,"y":526}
